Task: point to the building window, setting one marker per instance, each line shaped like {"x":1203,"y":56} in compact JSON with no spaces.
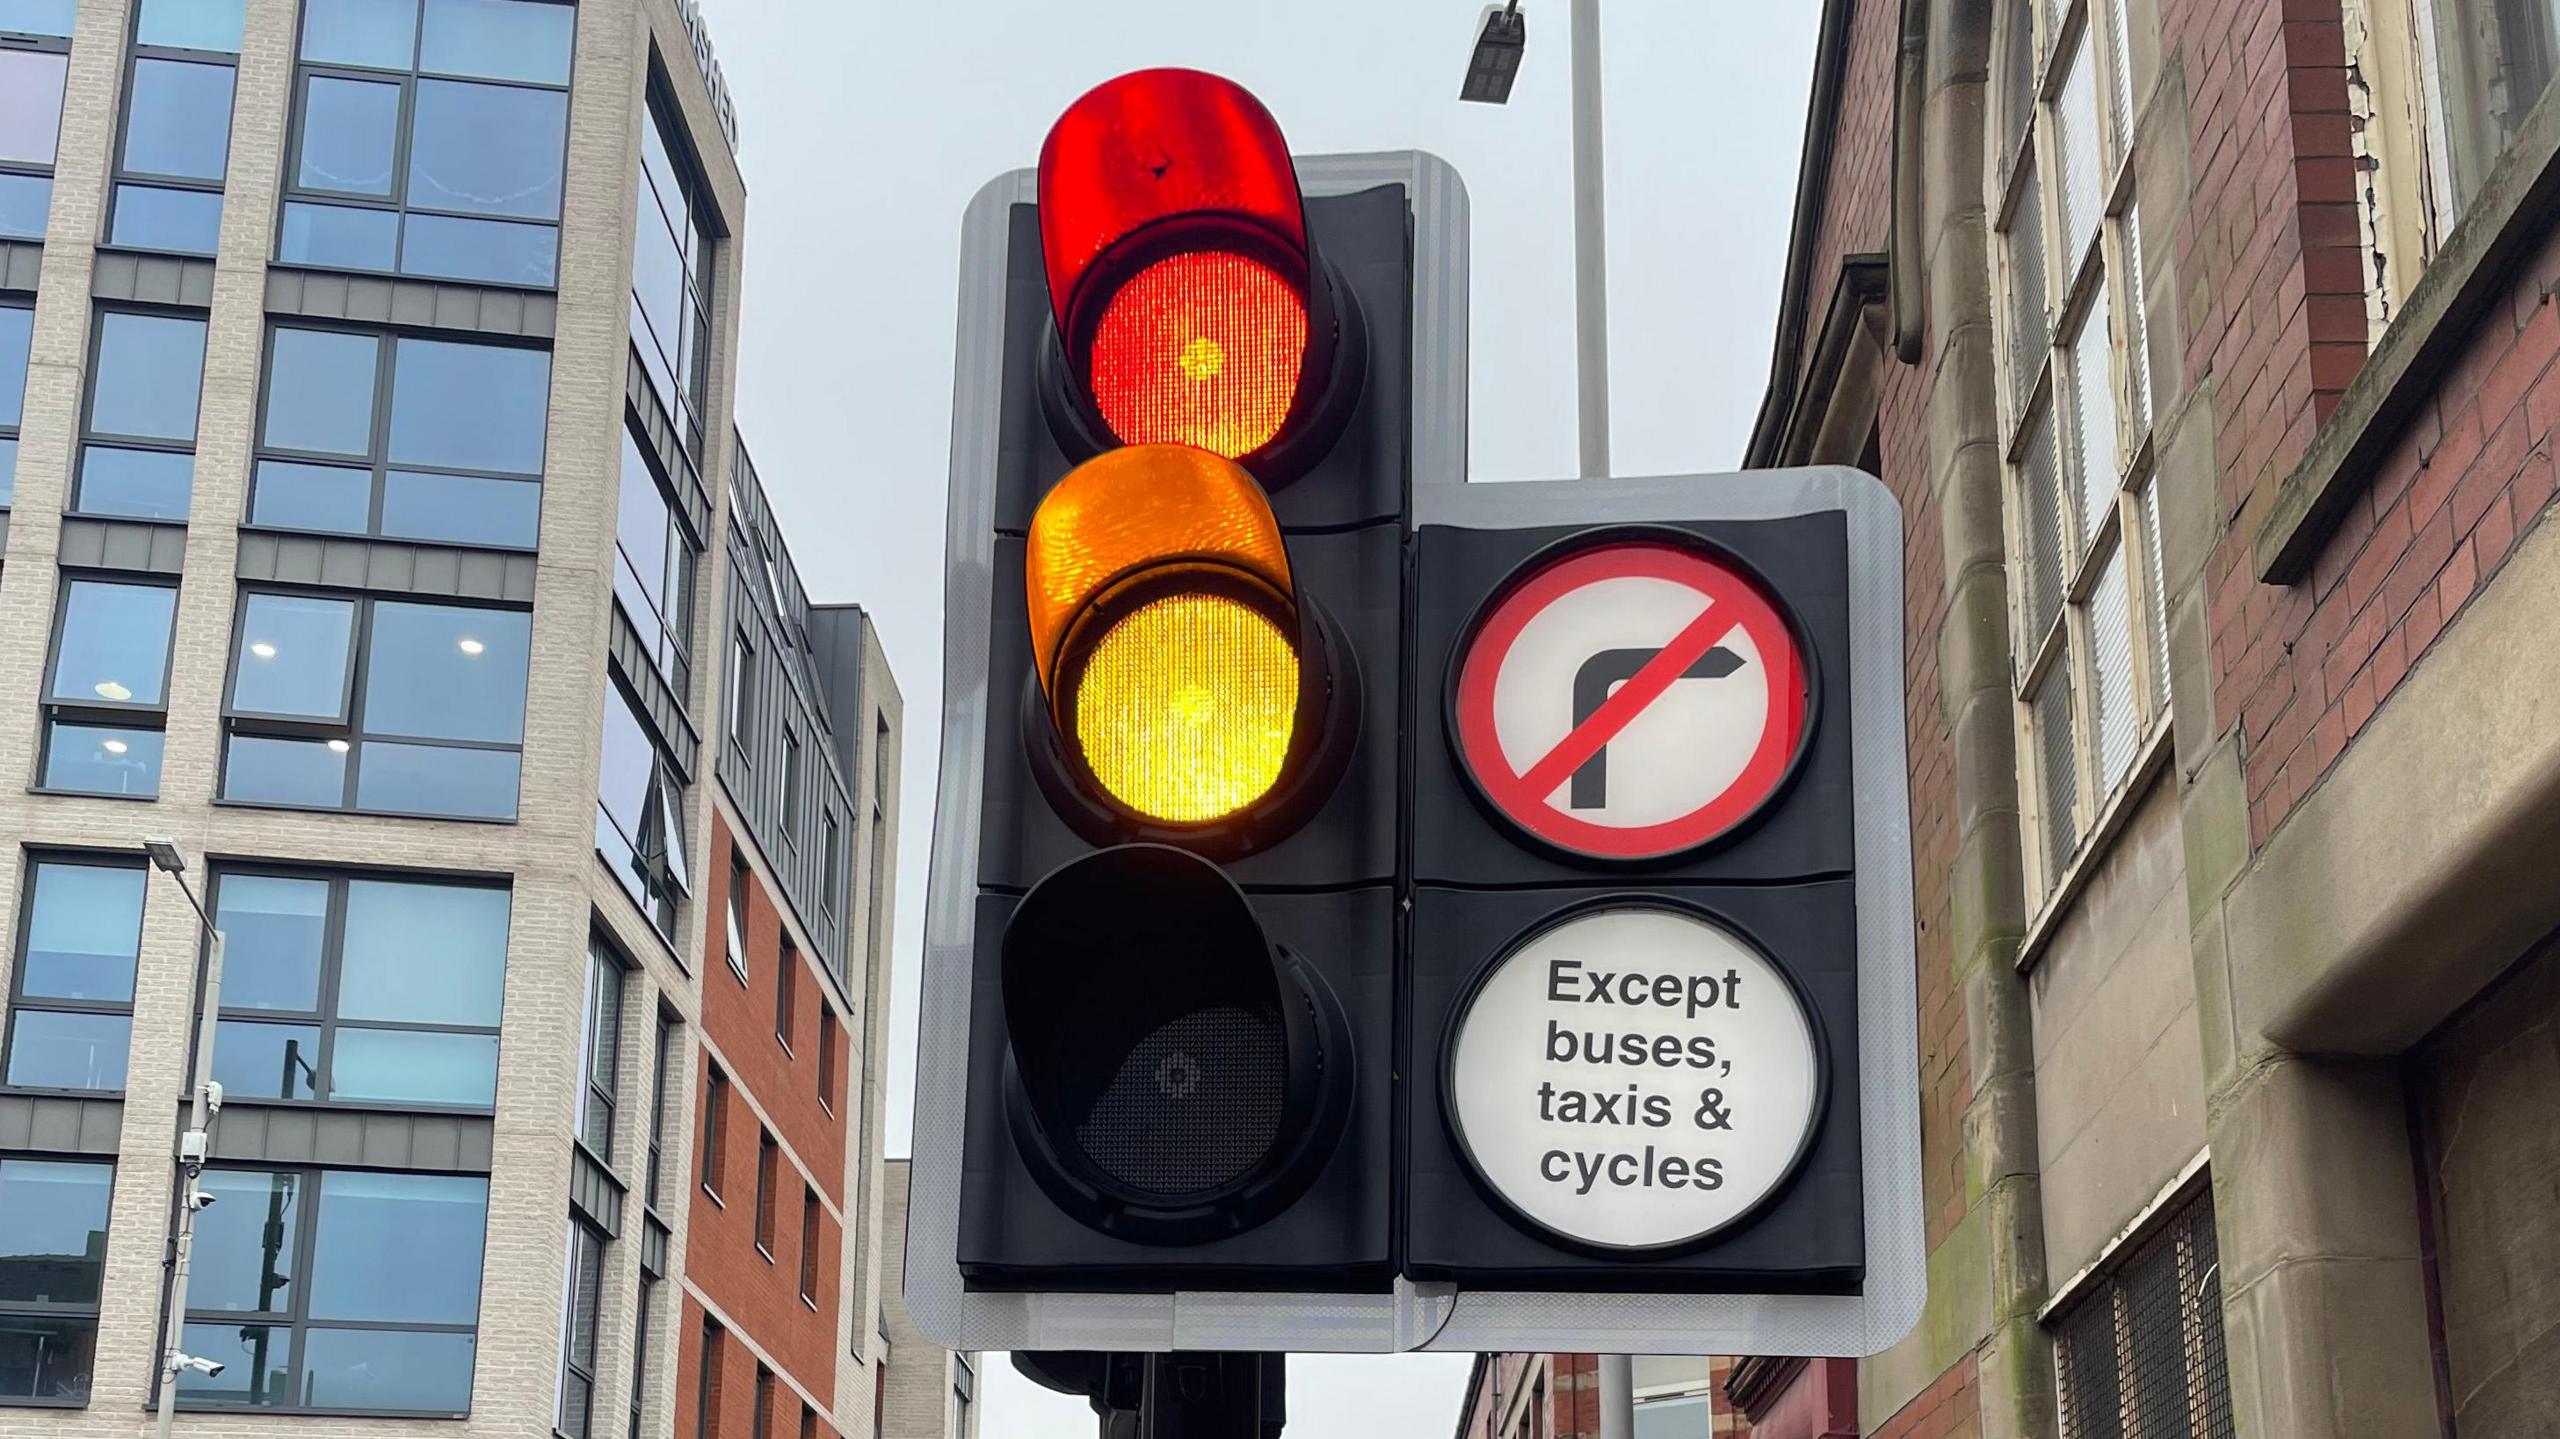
{"x":762,"y":1426}
{"x":106,"y":702}
{"x":786,"y":994}
{"x":876,"y":913}
{"x":791,"y":788}
{"x":71,"y":992}
{"x":742,"y":697}
{"x":400,"y":436}
{"x":809,"y":1246}
{"x":809,"y":1423}
{"x":671,"y":269}
{"x":1672,"y":1398}
{"x":358,"y":991}
{"x":654,"y":565}
{"x":715,"y":1132}
{"x":337,"y":1291}
{"x":640,"y":811}
{"x":831,"y":863}
{"x":737,"y":917}
{"x":425,"y":717}
{"x":2493,"y":61}
{"x":53,"y":1252}
{"x":644,"y":1313}
{"x":826,"y":1058}
{"x":706,"y":1410}
{"x":768,"y":1167}
{"x":2087,"y":626}
{"x":580,"y":1308}
{"x":430,"y":139}
{"x":177,"y":127}
{"x":600,"y":1050}
{"x":17,"y":337}
{"x":964,"y":1392}
{"x":32,"y":68}
{"x":2142,"y":1352}
{"x":138,"y":430}
{"x":664,"y":1053}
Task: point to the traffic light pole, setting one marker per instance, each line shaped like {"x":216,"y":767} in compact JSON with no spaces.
{"x":1590,"y":245}
{"x":1212,"y":1396}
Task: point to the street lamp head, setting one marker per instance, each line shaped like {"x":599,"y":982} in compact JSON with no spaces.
{"x":1500,"y":38}
{"x":164,"y":853}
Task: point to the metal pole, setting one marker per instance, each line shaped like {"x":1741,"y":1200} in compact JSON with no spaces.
{"x":191,"y":1155}
{"x":1590,"y":245}
{"x":1617,"y":1397}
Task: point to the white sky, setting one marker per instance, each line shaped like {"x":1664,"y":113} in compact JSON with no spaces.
{"x":866,"y":127}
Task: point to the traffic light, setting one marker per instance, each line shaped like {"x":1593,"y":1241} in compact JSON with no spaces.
{"x":1372,"y":911}
{"x":1183,"y":1027}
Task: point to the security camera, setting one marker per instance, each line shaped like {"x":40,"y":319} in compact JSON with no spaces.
{"x":200,"y":1200}
{"x":209,"y":1368}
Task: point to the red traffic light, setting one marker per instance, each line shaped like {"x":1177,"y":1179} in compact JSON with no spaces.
{"x":1179,"y":271}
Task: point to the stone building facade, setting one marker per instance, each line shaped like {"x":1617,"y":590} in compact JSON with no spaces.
{"x":375,"y":530}
{"x":2208,"y":344}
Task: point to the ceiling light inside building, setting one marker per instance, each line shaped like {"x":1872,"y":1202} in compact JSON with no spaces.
{"x":110,"y":690}
{"x":472,"y":647}
{"x":263,"y":650}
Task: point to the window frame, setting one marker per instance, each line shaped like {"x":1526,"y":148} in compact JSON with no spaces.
{"x":11,"y":432}
{"x":323,"y":1016}
{"x":136,"y":715}
{"x":768,"y":1174}
{"x":294,"y":1318}
{"x":762,"y":1424}
{"x":715,"y":1133}
{"x":57,"y":1310}
{"x":586,"y":1275}
{"x":828,"y":1062}
{"x":2038,"y":409}
{"x":663,"y":876}
{"x":19,"y":1001}
{"x":786,"y":997}
{"x":600,"y":1029}
{"x":32,"y":42}
{"x":349,"y":729}
{"x":93,"y":438}
{"x":121,"y":178}
{"x":809,"y":1218}
{"x":672,"y":656}
{"x":290,"y":191}
{"x":666,"y":1047}
{"x":734,"y":939}
{"x":698,"y":256}
{"x":2183,"y":1230}
{"x":377,"y":462}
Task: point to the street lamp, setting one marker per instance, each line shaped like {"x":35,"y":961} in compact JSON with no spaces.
{"x":204,"y":1101}
{"x":1501,"y":38}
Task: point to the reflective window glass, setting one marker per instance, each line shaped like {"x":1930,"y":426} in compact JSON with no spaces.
{"x":24,"y":201}
{"x":115,"y":643}
{"x":387,"y":1369}
{"x":498,"y":251}
{"x":178,"y":119}
{"x":37,"y":17}
{"x":461,"y":509}
{"x":445,"y":672}
{"x":320,"y":388}
{"x":31,"y":104}
{"x":190,"y":25}
{"x":255,"y":1360}
{"x":339,"y":236}
{"x":424,"y":953}
{"x":311,"y":497}
{"x":398,"y":1248}
{"x":475,"y":407}
{"x":497,"y":40}
{"x":398,"y":1066}
{"x":143,"y":484}
{"x":435,"y":780}
{"x":149,"y":372}
{"x":254,"y":1059}
{"x":154,"y":217}
{"x":53,"y":1230}
{"x":350,"y":135}
{"x":244,"y":1259}
{"x":17,"y":331}
{"x":84,"y":928}
{"x":487,"y":149}
{"x":102,"y":759}
{"x":377,"y":34}
{"x":294,"y":651}
{"x":263,"y":770}
{"x":275,"y":928}
{"x":68,"y":1049}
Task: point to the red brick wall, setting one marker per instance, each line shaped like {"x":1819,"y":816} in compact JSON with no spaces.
{"x":733,"y":1403}
{"x":2471,"y":472}
{"x":2268,"y":256}
{"x":1948,"y":1409}
{"x":759,"y":1291}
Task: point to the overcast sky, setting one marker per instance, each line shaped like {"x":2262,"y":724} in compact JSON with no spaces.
{"x":866,"y":127}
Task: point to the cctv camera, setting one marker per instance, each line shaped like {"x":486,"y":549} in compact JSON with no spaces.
{"x":209,"y":1368}
{"x":200,"y":1200}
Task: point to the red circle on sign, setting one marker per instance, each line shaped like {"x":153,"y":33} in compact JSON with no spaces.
{"x":1733,"y":601}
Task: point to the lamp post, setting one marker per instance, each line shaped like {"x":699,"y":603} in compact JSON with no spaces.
{"x":204,"y":1101}
{"x":1501,"y":37}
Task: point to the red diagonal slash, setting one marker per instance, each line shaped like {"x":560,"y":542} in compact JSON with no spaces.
{"x":1620,"y":709}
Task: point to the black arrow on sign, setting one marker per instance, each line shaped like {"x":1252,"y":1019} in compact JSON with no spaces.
{"x":1592,"y":683}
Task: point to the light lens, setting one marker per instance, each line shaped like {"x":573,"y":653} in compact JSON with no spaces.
{"x":1185,"y":708}
{"x":1202,"y":349}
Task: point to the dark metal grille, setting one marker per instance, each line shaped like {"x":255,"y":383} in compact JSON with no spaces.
{"x":1194,"y":1107}
{"x":2140,"y":1356}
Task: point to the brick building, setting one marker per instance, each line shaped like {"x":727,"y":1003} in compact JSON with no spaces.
{"x":2208,"y":345}
{"x":375,"y":529}
{"x":1557,"y":1396}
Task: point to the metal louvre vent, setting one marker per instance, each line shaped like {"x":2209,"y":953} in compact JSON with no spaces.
{"x":1195,"y":1105}
{"x":2142,"y":1353}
